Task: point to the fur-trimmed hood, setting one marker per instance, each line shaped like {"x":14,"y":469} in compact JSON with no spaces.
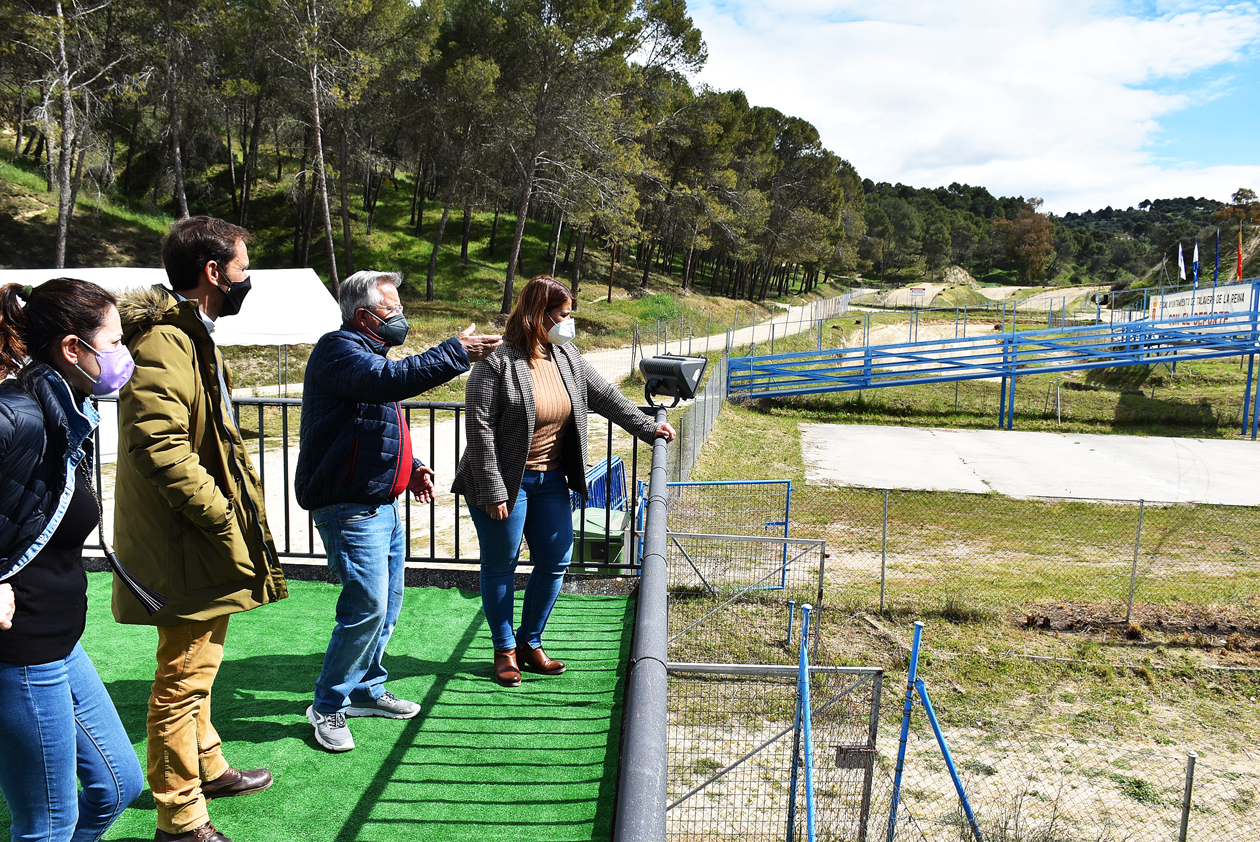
{"x":142,"y":309}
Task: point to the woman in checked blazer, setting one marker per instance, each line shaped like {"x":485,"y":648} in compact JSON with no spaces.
{"x":526,"y":410}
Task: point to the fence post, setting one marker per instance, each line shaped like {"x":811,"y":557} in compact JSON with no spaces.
{"x":883,"y":556}
{"x":1186,"y":796}
{"x":1137,"y":546}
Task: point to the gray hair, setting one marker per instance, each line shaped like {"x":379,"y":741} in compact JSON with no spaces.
{"x":363,"y":290}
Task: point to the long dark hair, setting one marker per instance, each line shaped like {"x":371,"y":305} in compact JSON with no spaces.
{"x":527,"y":327}
{"x":54,"y":310}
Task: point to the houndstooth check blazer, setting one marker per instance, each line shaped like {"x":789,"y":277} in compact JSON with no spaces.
{"x":499,"y":422}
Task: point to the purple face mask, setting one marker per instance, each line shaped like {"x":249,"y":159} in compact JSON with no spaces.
{"x":116,"y":368}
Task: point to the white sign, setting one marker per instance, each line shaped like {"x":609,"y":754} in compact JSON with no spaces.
{"x":1198,"y":308}
{"x":918,"y":291}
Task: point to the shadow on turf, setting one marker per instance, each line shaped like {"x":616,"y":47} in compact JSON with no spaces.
{"x":251,"y":690}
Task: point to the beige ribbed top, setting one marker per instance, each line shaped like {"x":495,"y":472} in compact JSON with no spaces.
{"x":553,"y":415}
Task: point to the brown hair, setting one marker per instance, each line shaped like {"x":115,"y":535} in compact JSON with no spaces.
{"x":527,"y":327}
{"x":54,"y":310}
{"x":194,"y":242}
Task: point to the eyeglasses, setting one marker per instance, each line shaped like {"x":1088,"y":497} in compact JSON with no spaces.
{"x":396,"y":311}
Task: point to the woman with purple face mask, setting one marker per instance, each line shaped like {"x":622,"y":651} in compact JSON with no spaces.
{"x":69,"y":768}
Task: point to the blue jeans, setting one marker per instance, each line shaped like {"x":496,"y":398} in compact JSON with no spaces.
{"x":544,"y":516}
{"x":366,"y":550}
{"x":58,"y":727}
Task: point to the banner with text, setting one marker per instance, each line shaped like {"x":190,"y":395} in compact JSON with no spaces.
{"x":1204,"y":307}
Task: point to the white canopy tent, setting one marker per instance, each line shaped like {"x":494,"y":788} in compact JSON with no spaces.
{"x":284,"y":307}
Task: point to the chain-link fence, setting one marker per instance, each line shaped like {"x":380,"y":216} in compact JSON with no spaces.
{"x":730,"y":566}
{"x":731,"y":744}
{"x":1186,"y":571}
{"x":696,"y":423}
{"x":1038,"y":788}
{"x":1063,"y":562}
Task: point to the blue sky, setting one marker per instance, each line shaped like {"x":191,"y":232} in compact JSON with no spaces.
{"x":1084,"y":104}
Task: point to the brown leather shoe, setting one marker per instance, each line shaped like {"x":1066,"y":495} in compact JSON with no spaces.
{"x":536,"y":660}
{"x":205,"y":833}
{"x":235,"y":782}
{"x":506,"y":672}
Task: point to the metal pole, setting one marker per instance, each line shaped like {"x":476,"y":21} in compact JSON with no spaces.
{"x":1186,"y":796}
{"x":883,"y":556}
{"x":807,"y":722}
{"x":641,"y":796}
{"x":905,"y":729}
{"x":921,"y":687}
{"x":1137,"y":546}
{"x":791,"y":619}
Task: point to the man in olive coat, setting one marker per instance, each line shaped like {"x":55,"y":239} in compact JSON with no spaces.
{"x":189,"y":516}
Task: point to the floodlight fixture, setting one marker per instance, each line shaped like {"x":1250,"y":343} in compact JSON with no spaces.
{"x":671,"y":375}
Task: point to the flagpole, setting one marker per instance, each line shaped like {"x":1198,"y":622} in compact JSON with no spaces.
{"x":1194,"y":290}
{"x":1216,"y":268}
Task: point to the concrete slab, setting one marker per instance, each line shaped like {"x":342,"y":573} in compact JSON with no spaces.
{"x":1027,"y":464}
{"x":870,"y":456}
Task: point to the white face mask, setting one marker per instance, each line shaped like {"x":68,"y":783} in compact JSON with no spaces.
{"x":562,"y":332}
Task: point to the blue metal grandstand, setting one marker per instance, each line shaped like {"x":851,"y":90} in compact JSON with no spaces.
{"x":1007,"y":355}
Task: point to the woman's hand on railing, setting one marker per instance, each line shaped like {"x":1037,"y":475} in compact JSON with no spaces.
{"x":665,"y":431}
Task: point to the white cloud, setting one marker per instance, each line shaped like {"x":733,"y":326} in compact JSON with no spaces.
{"x":1054,"y":99}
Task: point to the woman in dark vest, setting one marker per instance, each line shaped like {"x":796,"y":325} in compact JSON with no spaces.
{"x":526,"y":423}
{"x":58,"y":728}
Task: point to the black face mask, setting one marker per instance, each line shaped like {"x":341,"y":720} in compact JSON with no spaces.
{"x":391,"y":331}
{"x":234,"y":297}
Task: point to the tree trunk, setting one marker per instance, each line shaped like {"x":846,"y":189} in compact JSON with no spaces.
{"x":131,"y":149}
{"x":646,"y":260}
{"x":21,"y":117}
{"x":227,"y":130}
{"x":494,"y":231}
{"x":343,"y":179}
{"x":321,"y":172}
{"x":81,"y":142}
{"x":612,"y":269}
{"x":568,"y":251}
{"x":309,"y":231}
{"x":577,"y":265}
{"x":251,"y":162}
{"x":514,"y":254}
{"x":172,"y":92}
{"x":437,"y":238}
{"x":300,"y":206}
{"x":64,"y":207}
{"x":463,"y":245}
{"x":555,"y":248}
{"x":415,"y":194}
{"x":377,"y":181}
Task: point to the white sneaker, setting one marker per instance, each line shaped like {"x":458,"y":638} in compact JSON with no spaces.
{"x":388,"y":705}
{"x":331,"y":730}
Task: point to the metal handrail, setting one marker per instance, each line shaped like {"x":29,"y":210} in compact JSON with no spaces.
{"x":641,"y":791}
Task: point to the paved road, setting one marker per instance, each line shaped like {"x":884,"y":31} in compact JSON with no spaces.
{"x":1028,"y":464}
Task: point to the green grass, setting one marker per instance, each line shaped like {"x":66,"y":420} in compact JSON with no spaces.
{"x":480,"y":762}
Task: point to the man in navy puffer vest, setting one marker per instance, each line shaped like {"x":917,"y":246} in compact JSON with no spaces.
{"x":355,"y":461}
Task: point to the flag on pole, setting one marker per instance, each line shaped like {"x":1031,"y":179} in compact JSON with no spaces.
{"x":1181,"y":263}
{"x":1239,"y":275}
{"x":1196,"y":264}
{"x":1216,"y":269}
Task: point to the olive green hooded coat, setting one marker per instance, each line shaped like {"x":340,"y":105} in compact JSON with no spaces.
{"x":188,"y":510}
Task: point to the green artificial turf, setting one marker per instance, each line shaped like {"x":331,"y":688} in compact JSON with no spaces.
{"x":538,"y":762}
